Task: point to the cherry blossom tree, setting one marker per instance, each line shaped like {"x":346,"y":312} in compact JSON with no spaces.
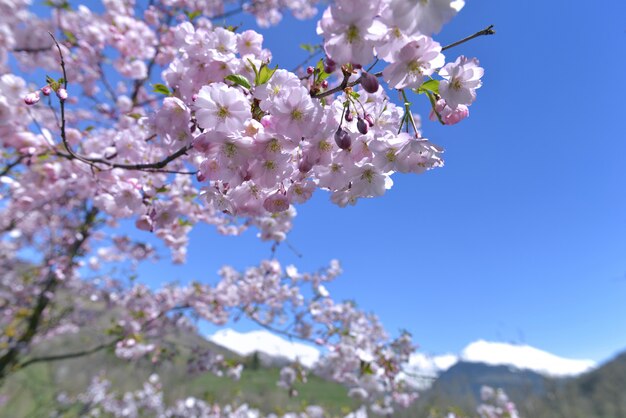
{"x":157,"y":113}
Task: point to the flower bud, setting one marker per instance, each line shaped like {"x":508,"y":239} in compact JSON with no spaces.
{"x":46,"y":90}
{"x":329,"y":66}
{"x":144,"y":223}
{"x":369,"y":119}
{"x":62,"y":94}
{"x":325,"y":84}
{"x":369,"y":82}
{"x":349,"y":117}
{"x":31,"y":98}
{"x":305,"y":165}
{"x":342,"y":138}
{"x":310,"y":70}
{"x":361,"y":126}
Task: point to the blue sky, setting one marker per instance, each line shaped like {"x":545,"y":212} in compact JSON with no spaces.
{"x":521,"y":237}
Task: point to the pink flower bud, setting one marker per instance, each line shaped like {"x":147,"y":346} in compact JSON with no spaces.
{"x":144,"y":223}
{"x":342,"y":138}
{"x":361,"y":126}
{"x":31,"y":98}
{"x":62,"y":94}
{"x":448,"y":115}
{"x":46,"y":90}
{"x":310,"y":70}
{"x":369,"y":82}
{"x":329,"y":66}
{"x":305,"y":165}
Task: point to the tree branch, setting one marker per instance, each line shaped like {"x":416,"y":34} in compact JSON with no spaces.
{"x":10,"y":358}
{"x":487,"y":31}
{"x":10,"y":166}
{"x":94,"y":161}
{"x":58,"y":357}
{"x":344,"y":84}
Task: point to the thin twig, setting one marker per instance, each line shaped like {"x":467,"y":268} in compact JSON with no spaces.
{"x":66,"y":356}
{"x":316,"y":50}
{"x":94,"y":161}
{"x":487,"y":31}
{"x":344,"y":84}
{"x":10,"y":165}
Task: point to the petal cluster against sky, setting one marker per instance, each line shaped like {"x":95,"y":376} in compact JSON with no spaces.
{"x":521,"y":237}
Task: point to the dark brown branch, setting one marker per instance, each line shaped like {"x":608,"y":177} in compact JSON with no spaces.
{"x":10,"y":166}
{"x":344,"y":84}
{"x":140,"y":83}
{"x":95,"y":349}
{"x":227,"y":14}
{"x":94,"y":161}
{"x":312,"y":54}
{"x":9,"y":359}
{"x":67,"y":356}
{"x":487,"y":31}
{"x":34,"y":50}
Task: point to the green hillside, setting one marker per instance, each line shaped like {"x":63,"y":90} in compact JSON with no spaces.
{"x":32,"y":391}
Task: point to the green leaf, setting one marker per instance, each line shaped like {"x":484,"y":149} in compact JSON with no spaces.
{"x":64,"y":5}
{"x":184,"y":222}
{"x":265,"y":73}
{"x":256,"y":71}
{"x":354,"y":94}
{"x":135,"y":116}
{"x":429,"y":86}
{"x":239,"y":80}
{"x":308,"y":47}
{"x":162,"y":89}
{"x":161,"y":189}
{"x":321,"y":74}
{"x":70,"y":37}
{"x":366,"y":368}
{"x":433,"y":104}
{"x":192,"y":15}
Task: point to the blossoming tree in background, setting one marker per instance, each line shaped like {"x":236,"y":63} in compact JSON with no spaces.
{"x":151,"y":111}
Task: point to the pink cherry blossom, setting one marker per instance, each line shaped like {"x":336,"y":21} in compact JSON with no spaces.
{"x":461,"y":79}
{"x":415,"y":61}
{"x":221,"y":108}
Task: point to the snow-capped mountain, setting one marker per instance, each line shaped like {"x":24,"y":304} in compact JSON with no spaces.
{"x":422,"y":368}
{"x":264,"y":342}
{"x":524,"y":357}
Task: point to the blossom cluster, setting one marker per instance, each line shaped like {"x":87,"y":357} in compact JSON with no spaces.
{"x":496,"y":404}
{"x":100,"y":398}
{"x":161,"y":116}
{"x":259,"y":140}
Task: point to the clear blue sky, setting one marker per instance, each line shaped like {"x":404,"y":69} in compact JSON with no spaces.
{"x":522,"y":235}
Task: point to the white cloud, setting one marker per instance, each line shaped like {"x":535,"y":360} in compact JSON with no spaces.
{"x":247,"y":343}
{"x":524,"y":357}
{"x":423,"y":369}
